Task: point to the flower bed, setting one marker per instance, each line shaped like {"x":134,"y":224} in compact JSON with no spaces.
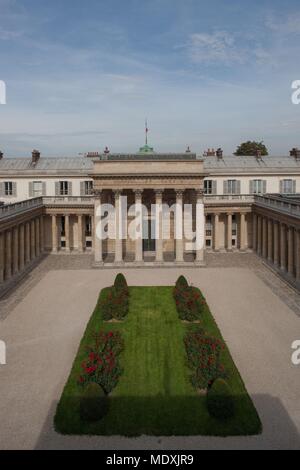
{"x":115,"y":305}
{"x":101,"y":365}
{"x":189,"y":301}
{"x":203,"y":353}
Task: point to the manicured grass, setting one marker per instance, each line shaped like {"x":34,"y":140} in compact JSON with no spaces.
{"x":154,"y":394}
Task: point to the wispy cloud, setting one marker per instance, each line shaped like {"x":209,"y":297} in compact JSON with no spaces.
{"x":288,"y":24}
{"x":215,"y":47}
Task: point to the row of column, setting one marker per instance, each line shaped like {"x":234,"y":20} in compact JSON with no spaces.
{"x":19,"y":246}
{"x":217,"y":242}
{"x":55,"y":233}
{"x":277,"y":242}
{"x":179,"y":239}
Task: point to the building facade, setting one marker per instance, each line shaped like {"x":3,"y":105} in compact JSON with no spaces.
{"x":53,"y":205}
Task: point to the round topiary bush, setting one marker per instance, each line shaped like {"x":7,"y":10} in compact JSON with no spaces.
{"x":220,"y":402}
{"x":93,"y":403}
{"x":120,"y":282}
{"x":182,"y":283}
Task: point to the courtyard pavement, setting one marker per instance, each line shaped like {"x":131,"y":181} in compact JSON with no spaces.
{"x":42,"y":323}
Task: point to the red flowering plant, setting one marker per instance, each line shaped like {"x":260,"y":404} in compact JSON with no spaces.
{"x":189,"y":302}
{"x":102,"y":365}
{"x":204,"y":357}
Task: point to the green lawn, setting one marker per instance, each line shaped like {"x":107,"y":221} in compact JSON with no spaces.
{"x":154,"y":394}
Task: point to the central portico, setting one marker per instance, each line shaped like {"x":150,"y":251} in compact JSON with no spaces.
{"x":148,"y":179}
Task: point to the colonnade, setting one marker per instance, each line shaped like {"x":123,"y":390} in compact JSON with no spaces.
{"x":278,"y":242}
{"x":19,"y":246}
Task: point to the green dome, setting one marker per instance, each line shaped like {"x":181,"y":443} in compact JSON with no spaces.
{"x":146,"y":149}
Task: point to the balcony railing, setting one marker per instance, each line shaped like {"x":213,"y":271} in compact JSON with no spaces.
{"x":8,"y":210}
{"x":65,"y":200}
{"x":213,"y":198}
{"x":285,"y":204}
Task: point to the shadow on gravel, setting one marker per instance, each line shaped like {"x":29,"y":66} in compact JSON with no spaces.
{"x":279,"y":431}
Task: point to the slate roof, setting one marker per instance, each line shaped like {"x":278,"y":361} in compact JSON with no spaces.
{"x":214,"y":165}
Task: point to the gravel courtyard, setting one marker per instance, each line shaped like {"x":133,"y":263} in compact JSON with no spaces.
{"x":43,"y":321}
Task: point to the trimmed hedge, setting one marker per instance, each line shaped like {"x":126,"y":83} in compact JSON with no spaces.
{"x":115,"y":304}
{"x":120,"y":282}
{"x":181,"y":283}
{"x":190,"y":302}
{"x":220,"y":401}
{"x":93,"y":403}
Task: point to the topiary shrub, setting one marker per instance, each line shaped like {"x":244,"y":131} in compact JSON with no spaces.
{"x":220,"y":401}
{"x":190,"y":303}
{"x":120,"y":282}
{"x":115,"y":305}
{"x":93,"y":403}
{"x":181,"y":283}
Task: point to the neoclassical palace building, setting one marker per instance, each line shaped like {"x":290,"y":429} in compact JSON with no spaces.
{"x":53,"y":205}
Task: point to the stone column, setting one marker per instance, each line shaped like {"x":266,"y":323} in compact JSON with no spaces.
{"x":139,"y":221}
{"x":80,"y":233}
{"x":42,"y":238}
{"x":270,"y":240}
{"x":276,"y":242}
{"x":200,"y":228}
{"x":15,"y":250}
{"x":67,"y":232}
{"x":297,"y":234}
{"x":264,"y":238}
{"x":242,"y":232}
{"x":259,"y":230}
{"x":178,"y":229}
{"x":21,"y":248}
{"x":282,"y":247}
{"x":2,"y":265}
{"x":229,"y":231}
{"x":8,"y":255}
{"x":54,"y":233}
{"x":159,"y":257}
{"x":291,"y":251}
{"x":32,"y":240}
{"x":37,"y":236}
{"x":254,"y":232}
{"x":118,"y":221}
{"x":27,"y":242}
{"x":98,"y":255}
{"x":216,"y":232}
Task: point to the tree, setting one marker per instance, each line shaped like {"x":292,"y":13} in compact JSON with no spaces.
{"x":251,"y":148}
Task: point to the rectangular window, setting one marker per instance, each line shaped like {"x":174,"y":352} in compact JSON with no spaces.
{"x":63,"y":188}
{"x":208,"y":187}
{"x":288,"y":186}
{"x":208,"y":226}
{"x":37,"y":189}
{"x":257,"y":186}
{"x":8,"y":188}
{"x":88,"y":188}
{"x":232,"y":186}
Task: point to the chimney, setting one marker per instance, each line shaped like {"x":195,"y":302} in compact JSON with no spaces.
{"x":258,"y":154}
{"x":1,"y":155}
{"x":219,"y":152}
{"x":35,"y":157}
{"x":295,"y":152}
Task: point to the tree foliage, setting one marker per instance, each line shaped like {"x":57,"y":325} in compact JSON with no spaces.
{"x":251,"y":148}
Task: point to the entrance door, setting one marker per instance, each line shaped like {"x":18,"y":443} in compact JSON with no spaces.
{"x":149,"y":235}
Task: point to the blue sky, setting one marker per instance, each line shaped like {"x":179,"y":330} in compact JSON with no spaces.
{"x":83,"y":75}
